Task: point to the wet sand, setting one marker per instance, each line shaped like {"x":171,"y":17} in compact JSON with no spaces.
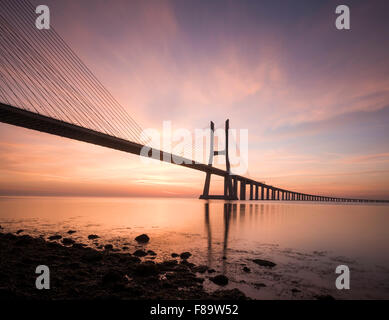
{"x":78,"y":272}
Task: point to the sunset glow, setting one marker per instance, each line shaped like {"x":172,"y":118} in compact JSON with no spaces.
{"x":314,"y":99}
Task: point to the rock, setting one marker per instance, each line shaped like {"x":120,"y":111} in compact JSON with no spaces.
{"x":224,"y":258}
{"x":79,"y":245}
{"x":151,"y":253}
{"x":93,"y":236}
{"x":55,"y":237}
{"x":259,"y":285}
{"x":294,"y":290}
{"x":112,"y":277}
{"x":264,"y":263}
{"x":220,"y":280}
{"x":146,"y":269}
{"x":125,"y":248}
{"x":143,"y":238}
{"x":92,"y":256}
{"x":134,"y":259}
{"x":74,"y":265}
{"x":108,"y":247}
{"x":175,"y":255}
{"x":71,"y":231}
{"x":187,"y":263}
{"x":325,"y":297}
{"x":185,"y":255}
{"x":19,"y":231}
{"x":211,"y":270}
{"x":140,"y":253}
{"x":246,"y":269}
{"x":24,"y":240}
{"x":68,"y":241}
{"x":168,"y":264}
{"x":200,"y":269}
{"x":233,"y":294}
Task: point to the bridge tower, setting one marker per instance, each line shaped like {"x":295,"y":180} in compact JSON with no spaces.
{"x":229,"y":190}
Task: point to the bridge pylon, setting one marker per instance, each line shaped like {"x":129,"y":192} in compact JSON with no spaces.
{"x":230,"y":192}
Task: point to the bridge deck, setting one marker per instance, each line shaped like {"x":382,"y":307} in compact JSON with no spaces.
{"x":27,"y":119}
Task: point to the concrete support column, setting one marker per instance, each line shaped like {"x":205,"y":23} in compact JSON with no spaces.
{"x":267,"y":193}
{"x":242,"y":190}
{"x":235,"y":187}
{"x":251,"y":191}
{"x":256,"y":192}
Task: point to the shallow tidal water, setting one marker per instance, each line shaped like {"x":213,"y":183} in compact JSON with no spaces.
{"x":306,"y":240}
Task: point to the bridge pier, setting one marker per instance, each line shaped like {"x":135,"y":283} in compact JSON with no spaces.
{"x":251,"y":191}
{"x":256,"y":192}
{"x":235,"y":187}
{"x":267,"y":193}
{"x":229,"y":185}
{"x":242,"y":190}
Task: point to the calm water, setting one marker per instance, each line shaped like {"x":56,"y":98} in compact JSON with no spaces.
{"x":306,"y":240}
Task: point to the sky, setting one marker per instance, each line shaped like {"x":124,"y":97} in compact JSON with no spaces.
{"x":315,"y":100}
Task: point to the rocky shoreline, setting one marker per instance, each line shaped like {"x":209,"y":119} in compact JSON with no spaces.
{"x":79,"y":272}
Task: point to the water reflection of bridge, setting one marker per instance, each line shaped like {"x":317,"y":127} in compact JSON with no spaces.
{"x":242,"y":215}
{"x":229,"y":214}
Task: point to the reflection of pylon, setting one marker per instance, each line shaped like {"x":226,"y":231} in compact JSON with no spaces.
{"x":229,"y":190}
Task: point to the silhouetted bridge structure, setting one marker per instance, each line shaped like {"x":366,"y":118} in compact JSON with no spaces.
{"x":258,"y":190}
{"x":45,"y":86}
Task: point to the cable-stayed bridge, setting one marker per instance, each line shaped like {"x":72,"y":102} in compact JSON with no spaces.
{"x":46,"y":87}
